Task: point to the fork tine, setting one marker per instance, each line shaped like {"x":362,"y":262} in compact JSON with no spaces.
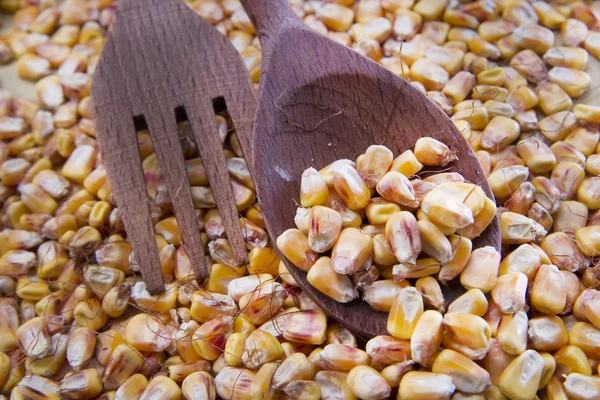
{"x":165,"y":137}
{"x":204,"y":127}
{"x":124,"y":166}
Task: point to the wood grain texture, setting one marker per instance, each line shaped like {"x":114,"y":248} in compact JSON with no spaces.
{"x":320,"y":101}
{"x":160,"y":55}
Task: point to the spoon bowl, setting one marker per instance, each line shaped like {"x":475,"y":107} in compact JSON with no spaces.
{"x":319,"y":102}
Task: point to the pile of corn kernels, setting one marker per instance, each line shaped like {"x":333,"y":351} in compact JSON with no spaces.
{"x":76,"y":321}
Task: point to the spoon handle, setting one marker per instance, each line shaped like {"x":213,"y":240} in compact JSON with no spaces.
{"x":267,"y":16}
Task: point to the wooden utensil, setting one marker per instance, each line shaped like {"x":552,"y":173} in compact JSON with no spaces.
{"x":159,"y":58}
{"x":320,"y":101}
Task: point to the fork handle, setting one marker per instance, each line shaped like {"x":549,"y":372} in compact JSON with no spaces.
{"x":267,"y":16}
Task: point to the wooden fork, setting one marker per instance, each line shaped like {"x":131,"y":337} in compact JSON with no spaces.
{"x":159,"y":57}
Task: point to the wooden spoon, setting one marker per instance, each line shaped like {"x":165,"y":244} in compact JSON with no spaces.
{"x":161,"y":59}
{"x":319,"y":102}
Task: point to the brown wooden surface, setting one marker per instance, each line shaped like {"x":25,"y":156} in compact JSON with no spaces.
{"x":320,"y":101}
{"x":159,"y":56}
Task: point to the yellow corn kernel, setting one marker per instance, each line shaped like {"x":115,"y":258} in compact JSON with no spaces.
{"x":333,"y":284}
{"x":530,"y":65}
{"x":568,"y":57}
{"x":547,"y":333}
{"x":459,"y":86}
{"x":379,"y":210}
{"x":123,"y":362}
{"x":570,"y":359}
{"x":578,"y":386}
{"x":334,"y":384}
{"x":234,"y":383}
{"x":473,"y":277}
{"x":449,"y":59}
{"x":484,"y":49}
{"x":405,"y":313}
{"x":386,"y":350}
{"x":263,"y":261}
{"x":586,"y":337}
{"x":563,"y":252}
{"x":499,"y":133}
{"x":549,"y":291}
{"x":495,"y":29}
{"x":36,"y":199}
{"x":558,"y":126}
{"x":403,"y":235}
{"x":330,"y":170}
{"x":261,"y":387}
{"x":429,"y":73}
{"x":261,"y":347}
{"x":446,"y":210}
{"x":521,"y":378}
{"x":295,"y":367}
{"x":32,"y":288}
{"x":471,"y":302}
{"x":396,"y":65}
{"x":351,"y":251}
{"x":434,"y":243}
{"x":396,"y":187}
{"x":509,"y":292}
{"x":423,"y":267}
{"x":366,"y":383}
{"x":432,"y":293}
{"x":199,"y":384}
{"x":18,"y":262}
{"x":79,"y":164}
{"x":406,"y":164}
{"x":519,"y":229}
{"x":522,"y":98}
{"x":351,"y":187}
{"x":429,"y":385}
{"x":336,"y":17}
{"x":161,"y":387}
{"x":549,"y":368}
{"x":37,"y":387}
{"x":432,"y":152}
{"x":380,"y":294}
{"x":570,"y":216}
{"x":573,"y":81}
{"x":99,"y":214}
{"x":553,"y":98}
{"x":427,"y":338}
{"x":83,"y":384}
{"x":476,"y":116}
{"x":587,"y":113}
{"x":376,"y":162}
{"x":340,"y":357}
{"x":549,"y":16}
{"x":293,"y":244}
{"x":132,"y":388}
{"x":313,"y":188}
{"x":467,"y":376}
{"x":584,"y":139}
{"x":393,"y":373}
{"x":467,"y":334}
{"x":461,"y":250}
{"x":534,"y":37}
{"x":492,"y":77}
{"x":512,"y":333}
{"x":586,"y":240}
{"x":325,"y":226}
{"x":504,"y":181}
{"x":538,"y":157}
